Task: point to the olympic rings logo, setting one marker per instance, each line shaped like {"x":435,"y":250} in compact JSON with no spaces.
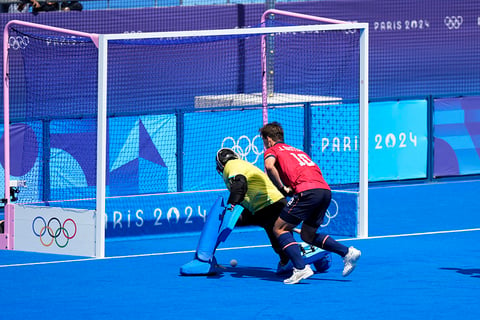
{"x":61,"y":236}
{"x":244,"y":147}
{"x":18,"y":42}
{"x":329,"y":212}
{"x":453,"y":22}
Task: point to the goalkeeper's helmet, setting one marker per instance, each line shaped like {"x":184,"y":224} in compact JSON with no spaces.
{"x":223,"y":156}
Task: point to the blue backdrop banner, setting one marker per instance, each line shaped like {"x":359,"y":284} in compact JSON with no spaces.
{"x":408,"y":39}
{"x":398,"y":140}
{"x":186,"y":212}
{"x":456,"y":129}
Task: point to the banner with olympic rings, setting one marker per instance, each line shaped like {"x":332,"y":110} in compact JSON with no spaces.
{"x":55,"y":230}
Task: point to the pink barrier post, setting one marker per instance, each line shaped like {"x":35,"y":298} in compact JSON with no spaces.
{"x":7,"y":238}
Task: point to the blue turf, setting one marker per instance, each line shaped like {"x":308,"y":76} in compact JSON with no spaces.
{"x":420,"y":277}
{"x":433,"y":276}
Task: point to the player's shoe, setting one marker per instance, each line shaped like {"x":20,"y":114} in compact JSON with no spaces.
{"x":350,"y":260}
{"x":299,"y":275}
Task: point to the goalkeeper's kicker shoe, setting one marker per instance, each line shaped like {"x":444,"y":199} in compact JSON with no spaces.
{"x":350,"y":260}
{"x":299,"y":275}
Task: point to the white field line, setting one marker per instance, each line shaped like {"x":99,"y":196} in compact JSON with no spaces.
{"x":224,"y":249}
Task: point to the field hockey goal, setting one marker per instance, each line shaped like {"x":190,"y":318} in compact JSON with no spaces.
{"x":93,"y":118}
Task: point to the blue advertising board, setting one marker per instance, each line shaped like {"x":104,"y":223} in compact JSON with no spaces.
{"x":143,"y":150}
{"x":206,"y":132}
{"x":236,"y":129}
{"x":456,"y":130}
{"x":398,"y":140}
{"x":186,"y":212}
{"x":335,"y":142}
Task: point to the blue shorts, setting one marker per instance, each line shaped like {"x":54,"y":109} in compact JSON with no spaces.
{"x":308,"y":206}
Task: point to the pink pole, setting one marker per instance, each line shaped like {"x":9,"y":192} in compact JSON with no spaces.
{"x":7,"y":241}
{"x":92,"y":36}
{"x":6,"y":116}
{"x":300,"y":16}
{"x":6,"y":93}
{"x":264,"y":50}
{"x":264,"y":79}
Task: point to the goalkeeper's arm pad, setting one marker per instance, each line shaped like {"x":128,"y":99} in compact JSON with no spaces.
{"x":238,"y":189}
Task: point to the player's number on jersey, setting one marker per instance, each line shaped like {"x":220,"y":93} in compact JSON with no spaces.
{"x":303,"y":159}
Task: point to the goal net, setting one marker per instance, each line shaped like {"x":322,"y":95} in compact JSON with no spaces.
{"x":110,"y":122}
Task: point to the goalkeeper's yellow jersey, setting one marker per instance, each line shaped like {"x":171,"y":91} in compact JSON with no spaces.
{"x":261,"y":192}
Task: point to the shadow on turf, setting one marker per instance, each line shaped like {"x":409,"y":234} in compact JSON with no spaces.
{"x":266,"y":274}
{"x":474,"y":273}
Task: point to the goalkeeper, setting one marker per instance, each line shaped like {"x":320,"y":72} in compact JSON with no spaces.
{"x":252,"y":189}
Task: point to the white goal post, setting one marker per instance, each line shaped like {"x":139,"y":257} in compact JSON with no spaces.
{"x":362,"y":228}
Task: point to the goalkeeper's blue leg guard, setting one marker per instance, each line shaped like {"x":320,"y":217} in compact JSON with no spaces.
{"x":218,"y":226}
{"x":208,"y":238}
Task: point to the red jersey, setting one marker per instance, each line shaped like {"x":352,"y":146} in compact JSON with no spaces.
{"x":296,"y":169}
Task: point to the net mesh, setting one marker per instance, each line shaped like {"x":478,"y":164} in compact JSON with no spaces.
{"x":53,"y":92}
{"x":172,"y":103}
